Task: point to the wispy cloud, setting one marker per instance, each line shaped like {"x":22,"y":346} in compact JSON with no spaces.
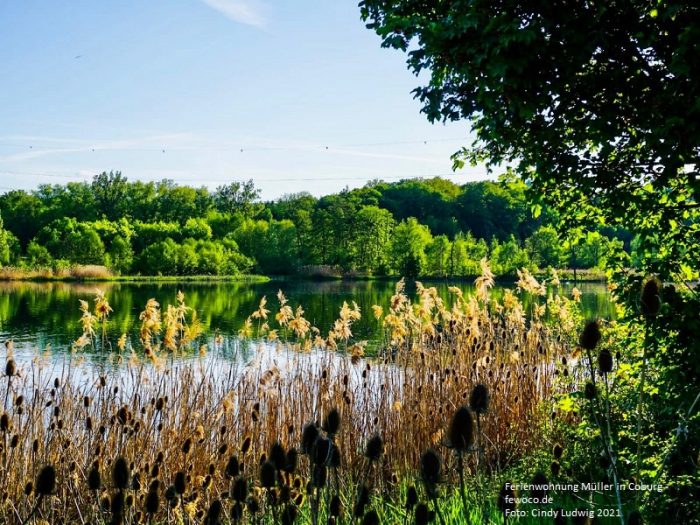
{"x":243,"y":11}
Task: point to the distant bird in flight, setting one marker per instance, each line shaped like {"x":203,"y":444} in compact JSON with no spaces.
{"x":77,"y":56}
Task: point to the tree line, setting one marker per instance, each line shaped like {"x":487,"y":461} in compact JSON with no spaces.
{"x":425,"y":227}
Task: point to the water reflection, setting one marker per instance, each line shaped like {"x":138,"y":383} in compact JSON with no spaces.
{"x":41,"y":315}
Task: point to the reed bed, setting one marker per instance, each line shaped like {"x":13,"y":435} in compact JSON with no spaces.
{"x":305,"y":430}
{"x":77,"y":272}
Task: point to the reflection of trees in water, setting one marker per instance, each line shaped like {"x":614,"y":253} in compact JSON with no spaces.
{"x":43,"y":313}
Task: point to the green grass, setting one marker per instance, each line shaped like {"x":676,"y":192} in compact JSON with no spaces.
{"x":248,"y":278}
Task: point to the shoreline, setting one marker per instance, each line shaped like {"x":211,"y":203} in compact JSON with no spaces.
{"x":10,"y":275}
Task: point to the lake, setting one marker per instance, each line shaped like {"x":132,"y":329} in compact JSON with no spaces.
{"x":39,"y":315}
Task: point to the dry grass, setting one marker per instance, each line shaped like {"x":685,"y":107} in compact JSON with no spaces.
{"x":77,"y":272}
{"x":167,"y":416}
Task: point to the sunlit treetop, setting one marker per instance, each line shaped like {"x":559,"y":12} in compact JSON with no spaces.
{"x":593,"y":102}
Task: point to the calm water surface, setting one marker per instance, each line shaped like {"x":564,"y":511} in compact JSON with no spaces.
{"x":40,"y":315}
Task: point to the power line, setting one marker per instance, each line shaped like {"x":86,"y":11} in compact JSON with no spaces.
{"x":97,"y":147}
{"x":259,"y":180}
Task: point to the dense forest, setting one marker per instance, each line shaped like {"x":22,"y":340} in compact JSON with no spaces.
{"x":430,"y":228}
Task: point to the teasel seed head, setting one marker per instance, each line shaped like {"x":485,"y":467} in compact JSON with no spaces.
{"x":246,"y":445}
{"x":278,"y":456}
{"x":154,"y":485}
{"x":430,"y":467}
{"x":187,"y":446}
{"x":590,"y":336}
{"x":120,"y":474}
{"x":539,"y":491}
{"x":308,"y":438}
{"x":332,"y":423}
{"x":152,"y":502}
{"x":374,"y":448}
{"x":479,"y":399}
{"x":46,"y":481}
{"x":267,"y":475}
{"x":506,"y":498}
{"x":590,"y":391}
{"x":650,"y":301}
{"x":239,"y":489}
{"x":371,"y":518}
{"x":422,"y":514}
{"x":28,"y":488}
{"x":94,"y":479}
{"x":4,"y":422}
{"x":605,"y":361}
{"x":233,"y":467}
{"x":289,"y":514}
{"x":214,"y":513}
{"x":10,"y":368}
{"x":555,"y":468}
{"x":180,"y":483}
{"x":290,"y":465}
{"x":335,"y":506}
{"x":123,"y":415}
{"x":411,"y":497}
{"x":461,"y":431}
{"x":557,"y":451}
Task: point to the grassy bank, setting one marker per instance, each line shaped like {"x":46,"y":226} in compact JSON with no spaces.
{"x":330,"y":274}
{"x":101,"y":273}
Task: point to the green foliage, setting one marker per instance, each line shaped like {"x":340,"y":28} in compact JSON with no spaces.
{"x":238,"y":197}
{"x":159,"y":258}
{"x":38,"y":255}
{"x":176,"y":203}
{"x":192,"y":257}
{"x":222,"y":224}
{"x":8,"y":247}
{"x":596,"y":107}
{"x":507,"y":257}
{"x":408,"y":244}
{"x":120,"y":256}
{"x":22,"y":212}
{"x":437,"y":255}
{"x":271,"y":244}
{"x":375,"y":228}
{"x":76,"y":242}
{"x":352,"y":231}
{"x":109,"y":191}
{"x":545,"y":250}
{"x":148,"y":233}
{"x":592,"y":250}
{"x":196,"y":228}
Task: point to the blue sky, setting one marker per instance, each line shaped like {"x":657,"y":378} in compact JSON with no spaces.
{"x":177,"y":88}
